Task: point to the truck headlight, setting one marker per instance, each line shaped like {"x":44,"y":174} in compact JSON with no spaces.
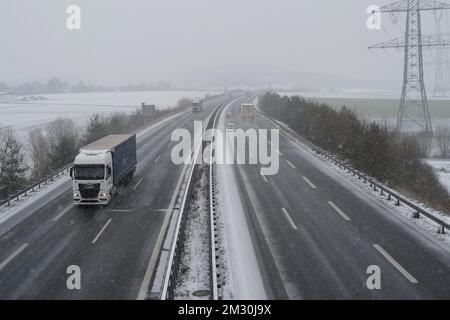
{"x":103,"y":195}
{"x":76,"y":195}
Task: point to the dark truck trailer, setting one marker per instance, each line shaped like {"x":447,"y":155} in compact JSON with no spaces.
{"x":102,"y":166}
{"x":124,"y":159}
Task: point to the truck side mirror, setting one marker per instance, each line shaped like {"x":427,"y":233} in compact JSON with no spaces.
{"x":71,"y":172}
{"x":108,"y":171}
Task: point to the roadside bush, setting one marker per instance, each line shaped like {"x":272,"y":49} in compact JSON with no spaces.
{"x":12,"y":163}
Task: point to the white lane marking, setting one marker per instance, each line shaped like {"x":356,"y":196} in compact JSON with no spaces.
{"x":309,"y":182}
{"x":119,"y":210}
{"x":56,"y":218}
{"x":101,"y":231}
{"x":396,"y":264}
{"x":289,"y":163}
{"x":138,"y":183}
{"x":159,"y":241}
{"x":341,"y":213}
{"x":264,"y":177}
{"x":160,"y":210}
{"x":157,"y":159}
{"x":13,"y":255}
{"x":278,"y":151}
{"x":286,"y":213}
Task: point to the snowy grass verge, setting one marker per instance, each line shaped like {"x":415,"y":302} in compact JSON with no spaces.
{"x":193,"y":280}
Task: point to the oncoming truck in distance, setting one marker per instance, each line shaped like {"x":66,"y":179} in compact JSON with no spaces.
{"x":248,"y":111}
{"x":197,"y":106}
{"x":101,"y":167}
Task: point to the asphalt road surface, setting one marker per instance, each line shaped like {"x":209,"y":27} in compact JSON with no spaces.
{"x":317,"y":234}
{"x":111,"y":245}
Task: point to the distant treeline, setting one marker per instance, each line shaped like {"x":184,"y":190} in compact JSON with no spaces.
{"x":56,"y":145}
{"x":55,"y":85}
{"x":367,"y":146}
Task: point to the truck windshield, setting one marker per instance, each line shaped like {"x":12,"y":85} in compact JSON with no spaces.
{"x":89,"y":172}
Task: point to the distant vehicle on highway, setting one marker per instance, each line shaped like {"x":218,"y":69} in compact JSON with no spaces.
{"x":197,"y":106}
{"x":248,"y":111}
{"x":101,"y":167}
{"x":231,"y":126}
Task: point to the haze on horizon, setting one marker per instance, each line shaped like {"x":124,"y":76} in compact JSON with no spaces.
{"x":320,"y":43}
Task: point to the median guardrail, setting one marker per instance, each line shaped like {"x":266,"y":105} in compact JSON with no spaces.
{"x":171,"y":273}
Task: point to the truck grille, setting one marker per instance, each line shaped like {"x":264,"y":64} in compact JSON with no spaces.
{"x":89,"y":191}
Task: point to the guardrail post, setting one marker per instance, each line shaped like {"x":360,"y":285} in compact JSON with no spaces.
{"x":441,"y":230}
{"x":398,"y":202}
{"x":416,"y":214}
{"x":389,"y":196}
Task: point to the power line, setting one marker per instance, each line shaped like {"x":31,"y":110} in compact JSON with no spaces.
{"x":439,"y":86}
{"x":413,"y":111}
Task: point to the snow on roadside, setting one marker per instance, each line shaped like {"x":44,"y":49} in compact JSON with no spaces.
{"x":442,"y":170}
{"x":194,"y":270}
{"x":246,"y":281}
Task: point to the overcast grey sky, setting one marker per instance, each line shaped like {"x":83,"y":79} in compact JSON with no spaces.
{"x":198,"y":41}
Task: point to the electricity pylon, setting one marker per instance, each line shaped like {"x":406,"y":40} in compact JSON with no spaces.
{"x":439,"y":84}
{"x":413,"y":111}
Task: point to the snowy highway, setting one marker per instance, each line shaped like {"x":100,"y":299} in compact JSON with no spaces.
{"x":307,"y":232}
{"x":114,"y":246}
{"x":316,"y":233}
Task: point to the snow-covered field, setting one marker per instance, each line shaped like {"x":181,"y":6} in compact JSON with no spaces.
{"x":24,"y":114}
{"x":442,"y":169}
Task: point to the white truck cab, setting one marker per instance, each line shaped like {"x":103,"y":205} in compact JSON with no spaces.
{"x":101,"y":167}
{"x":92,"y":177}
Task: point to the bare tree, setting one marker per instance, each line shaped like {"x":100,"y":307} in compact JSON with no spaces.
{"x":63,"y":140}
{"x":443,"y":141}
{"x":40,"y":151}
{"x":425,"y":144}
{"x":118,"y":123}
{"x":184,"y":102}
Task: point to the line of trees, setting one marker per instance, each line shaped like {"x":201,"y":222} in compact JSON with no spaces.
{"x":369,"y":147}
{"x":55,"y":145}
{"x":55,"y":85}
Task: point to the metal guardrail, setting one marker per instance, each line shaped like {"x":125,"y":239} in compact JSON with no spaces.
{"x":391,"y":194}
{"x":179,"y":236}
{"x":24,"y":192}
{"x":215,"y":282}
